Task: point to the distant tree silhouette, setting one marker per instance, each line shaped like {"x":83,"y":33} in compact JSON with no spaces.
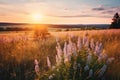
{"x":116,"y":21}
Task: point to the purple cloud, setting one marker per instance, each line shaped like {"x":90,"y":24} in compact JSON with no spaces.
{"x":98,"y":9}
{"x":78,"y":16}
{"x":107,"y":10}
{"x":73,"y":16}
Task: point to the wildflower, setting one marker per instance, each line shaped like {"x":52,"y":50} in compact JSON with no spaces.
{"x":53,"y":74}
{"x":109,"y":60}
{"x":48,"y":62}
{"x":79,"y":44}
{"x":59,"y":51}
{"x":90,"y":73}
{"x":97,"y":50}
{"x":104,"y":56}
{"x":100,"y":47}
{"x":99,"y":59}
{"x":50,"y":77}
{"x":89,"y":58}
{"x":78,"y":65}
{"x":69,"y":52}
{"x":75,"y":66}
{"x":57,"y":69}
{"x":36,"y":66}
{"x":92,"y":45}
{"x":37,"y":69}
{"x":57,"y":60}
{"x":57,"y":39}
{"x":102,"y":70}
{"x":65,"y":49}
{"x":53,"y":67}
{"x":36,"y":62}
{"x":86,"y":68}
{"x":85,"y":38}
{"x":69,"y":47}
{"x":74,"y":49}
{"x":87,"y":43}
{"x":65,"y":52}
{"x":71,"y":36}
{"x":78,"y":69}
{"x":66,"y":59}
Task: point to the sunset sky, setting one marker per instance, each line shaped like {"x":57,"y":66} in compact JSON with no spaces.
{"x":59,"y":11}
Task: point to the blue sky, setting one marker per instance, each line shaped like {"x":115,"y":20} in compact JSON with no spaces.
{"x":59,"y":11}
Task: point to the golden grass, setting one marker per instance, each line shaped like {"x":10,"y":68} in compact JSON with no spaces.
{"x":23,"y":51}
{"x":111,"y":41}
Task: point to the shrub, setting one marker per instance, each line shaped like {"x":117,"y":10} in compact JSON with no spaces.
{"x":41,"y":33}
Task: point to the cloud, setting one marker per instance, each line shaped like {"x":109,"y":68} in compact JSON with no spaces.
{"x":107,"y":9}
{"x":72,"y":16}
{"x":108,"y":12}
{"x":78,"y":16}
{"x":111,"y":10}
{"x":98,"y":9}
{"x":20,"y":1}
{"x":8,"y":9}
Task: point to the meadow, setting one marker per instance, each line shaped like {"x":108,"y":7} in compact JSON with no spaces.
{"x":25,"y":58}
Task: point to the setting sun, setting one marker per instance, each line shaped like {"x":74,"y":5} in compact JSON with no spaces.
{"x":36,"y":18}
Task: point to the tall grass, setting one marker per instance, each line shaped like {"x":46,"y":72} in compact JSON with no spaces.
{"x":17,"y":57}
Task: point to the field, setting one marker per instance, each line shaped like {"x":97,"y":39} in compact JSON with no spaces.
{"x":25,"y":58}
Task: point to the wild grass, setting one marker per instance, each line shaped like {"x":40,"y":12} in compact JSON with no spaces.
{"x":17,"y":57}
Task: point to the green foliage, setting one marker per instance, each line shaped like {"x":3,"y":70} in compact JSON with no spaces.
{"x":116,"y":21}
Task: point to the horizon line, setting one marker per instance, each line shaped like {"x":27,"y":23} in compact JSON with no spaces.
{"x":53,"y":23}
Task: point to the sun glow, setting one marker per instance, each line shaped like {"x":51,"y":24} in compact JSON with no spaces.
{"x":36,"y":18}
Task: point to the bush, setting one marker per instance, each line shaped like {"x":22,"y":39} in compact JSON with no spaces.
{"x":41,"y":33}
